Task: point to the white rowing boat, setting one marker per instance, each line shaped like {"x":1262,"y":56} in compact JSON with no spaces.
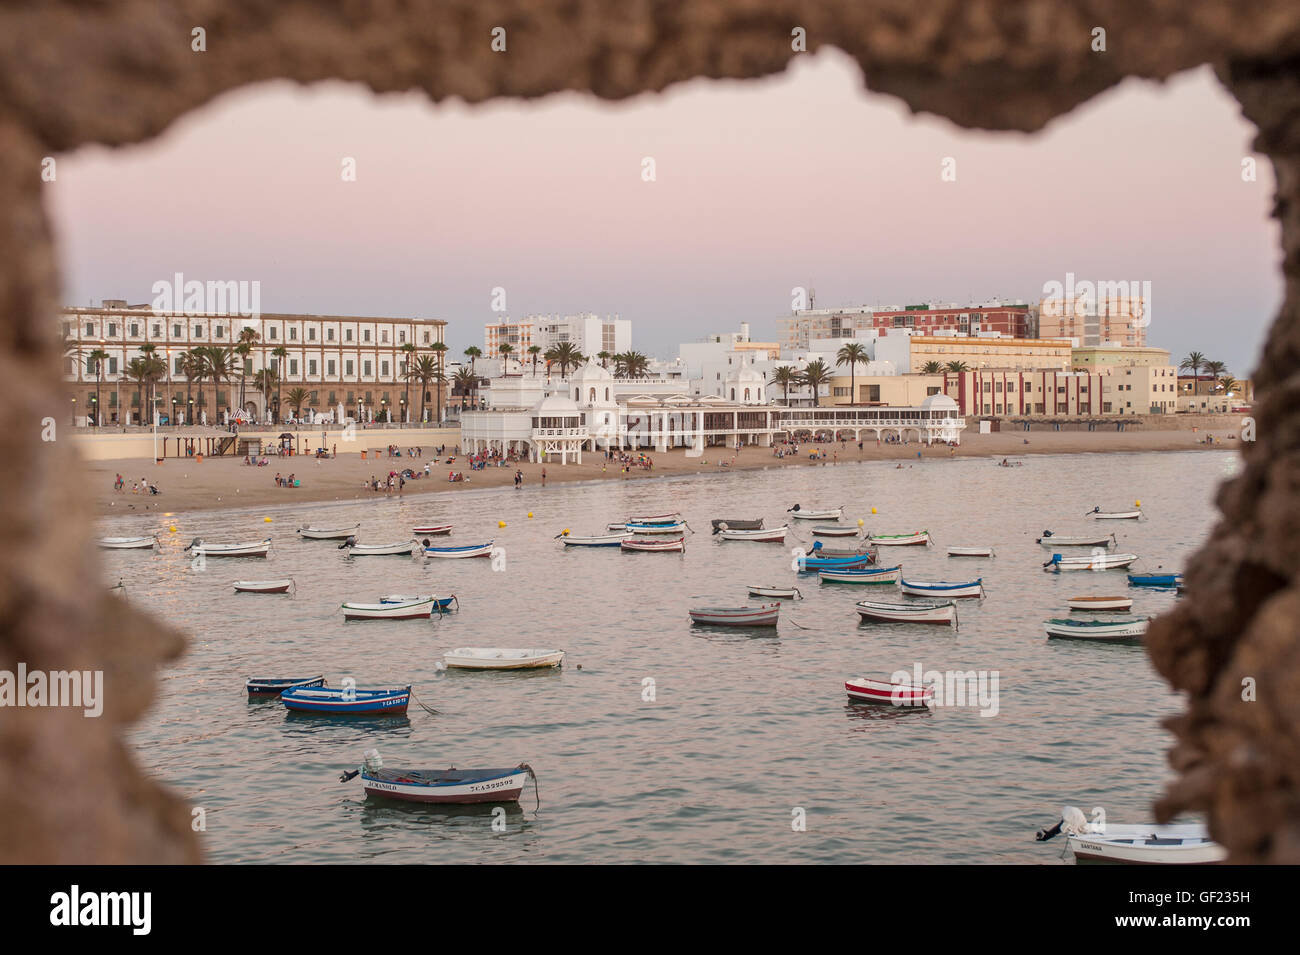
{"x":945,"y":612}
{"x":674,"y":527}
{"x":432,"y":530}
{"x":814,"y":514}
{"x":882,"y":690}
{"x":1100,"y":603}
{"x":502,"y":658}
{"x":252,"y":549}
{"x":774,"y":590}
{"x":833,"y":530}
{"x":774,"y":535}
{"x":1132,"y":628}
{"x":388,"y":611}
{"x":377,"y":550}
{"x":1058,"y":563}
{"x":944,"y":588}
{"x":127,"y":543}
{"x":599,"y":540}
{"x":328,"y":533}
{"x":970,"y":552}
{"x":762,"y":616}
{"x":899,"y":540}
{"x":469,"y":550}
{"x":1079,"y":540}
{"x":1187,"y":843}
{"x":865,"y":575}
{"x":1100,"y":515}
{"x":654,"y":546}
{"x":280,"y":585}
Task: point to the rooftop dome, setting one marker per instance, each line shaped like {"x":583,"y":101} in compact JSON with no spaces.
{"x":556,"y":405}
{"x":939,"y":402}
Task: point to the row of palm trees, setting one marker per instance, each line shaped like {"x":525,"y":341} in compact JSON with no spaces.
{"x":216,"y":363}
{"x":818,"y":373}
{"x":565,"y":355}
{"x":1223,"y":379}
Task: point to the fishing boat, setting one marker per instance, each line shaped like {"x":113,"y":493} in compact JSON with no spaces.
{"x":808,"y":565}
{"x":882,"y":690}
{"x":677,"y":545}
{"x":830,"y":553}
{"x":944,"y":588}
{"x":674,"y":527}
{"x":832,"y":530}
{"x":439,"y":603}
{"x":432,"y":530}
{"x":1173,"y":844}
{"x":673,"y":518}
{"x":448,"y":786}
{"x":328,"y":533}
{"x":1098,"y":514}
{"x":1123,"y":628}
{"x":501,"y":658}
{"x":280,"y":585}
{"x":1088,"y":562}
{"x":970,"y":552}
{"x":410,"y":610}
{"x":602,"y":540}
{"x":127,"y":543}
{"x":775,"y":590}
{"x":865,"y":575}
{"x":1100,"y":603}
{"x":772,"y":535}
{"x":468,"y":550}
{"x":380,"y":550}
{"x":899,"y":540}
{"x":814,"y":514}
{"x":945,"y":612}
{"x":1081,"y":540}
{"x":761,"y":616}
{"x":736,"y":524}
{"x":349,"y":701}
{"x":263,"y":687}
{"x":1171,"y":581}
{"x":254,"y":549}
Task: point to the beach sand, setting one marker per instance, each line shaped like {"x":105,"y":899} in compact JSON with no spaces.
{"x":214,"y":483}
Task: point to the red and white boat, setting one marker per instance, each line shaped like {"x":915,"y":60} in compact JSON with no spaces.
{"x":771,"y":535}
{"x":762,"y":616}
{"x":677,"y":545}
{"x":882,"y":690}
{"x":1100,"y":603}
{"x":432,"y":529}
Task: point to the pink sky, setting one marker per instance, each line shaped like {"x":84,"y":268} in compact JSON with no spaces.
{"x":799,"y":179}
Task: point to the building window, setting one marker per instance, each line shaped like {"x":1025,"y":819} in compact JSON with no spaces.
{"x":272,"y":333}
{"x":383,"y":369}
{"x":311,"y":334}
{"x":157,"y":331}
{"x":135,"y":329}
{"x":383,"y":336}
{"x":329,"y":334}
{"x":401,"y":337}
{"x":198,"y":331}
{"x":366,"y":367}
{"x":347,"y":366}
{"x":112,"y":329}
{"x":311,"y":366}
{"x":347,"y":335}
{"x":329,"y":365}
{"x":426,"y":337}
{"x":293,"y":366}
{"x":365,"y":335}
{"x":293,"y":334}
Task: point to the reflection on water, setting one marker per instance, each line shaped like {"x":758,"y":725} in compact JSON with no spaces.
{"x":741,"y":725}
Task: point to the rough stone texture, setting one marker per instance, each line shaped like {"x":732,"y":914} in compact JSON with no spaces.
{"x":84,"y":71}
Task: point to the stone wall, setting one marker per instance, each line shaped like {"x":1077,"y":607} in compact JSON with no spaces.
{"x":74,"y":73}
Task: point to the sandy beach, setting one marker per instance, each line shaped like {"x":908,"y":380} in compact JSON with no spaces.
{"x":189,"y":485}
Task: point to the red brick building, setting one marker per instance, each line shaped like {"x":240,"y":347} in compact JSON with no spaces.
{"x":1010,"y":320}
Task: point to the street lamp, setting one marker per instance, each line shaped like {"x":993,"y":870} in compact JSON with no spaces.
{"x":402,"y":417}
{"x":189,"y":413}
{"x":384,"y":409}
{"x":94,"y":410}
{"x":172,"y":421}
{"x":74,"y":411}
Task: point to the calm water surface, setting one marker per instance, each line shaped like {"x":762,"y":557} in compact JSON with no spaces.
{"x":744,"y":728}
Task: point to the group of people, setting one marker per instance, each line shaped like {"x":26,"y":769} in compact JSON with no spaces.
{"x":281,"y":481}
{"x":141,"y":486}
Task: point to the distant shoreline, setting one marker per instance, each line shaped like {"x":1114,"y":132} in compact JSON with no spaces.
{"x":187,"y":485}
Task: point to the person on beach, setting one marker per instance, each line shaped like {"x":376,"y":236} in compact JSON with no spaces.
{"x":543,"y":477}
{"x":519,"y":478}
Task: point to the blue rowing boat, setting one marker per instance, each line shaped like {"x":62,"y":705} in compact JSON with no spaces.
{"x":442,"y":603}
{"x":457,"y":786}
{"x":348,"y":701}
{"x":1155,"y":580}
{"x":469,"y":550}
{"x":812,"y":564}
{"x":274,"y":686}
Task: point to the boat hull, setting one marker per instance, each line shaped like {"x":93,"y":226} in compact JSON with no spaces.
{"x":655,"y":529}
{"x":824,"y":515}
{"x":1053,"y":540}
{"x":868,"y":575}
{"x":263,"y":586}
{"x":769,"y":535}
{"x":259,"y":549}
{"x":737,"y":524}
{"x":470,"y":550}
{"x":1100,"y":603}
{"x":126,"y":543}
{"x":1059,"y":564}
{"x":944,"y":613}
{"x":779,"y":593}
{"x":388,"y":611}
{"x":603,"y":540}
{"x":328,"y":533}
{"x":389,"y":702}
{"x":1116,"y":515}
{"x":1096,"y":630}
{"x":432,"y":530}
{"x":900,"y":540}
{"x":655,"y":546}
{"x":266,"y":687}
{"x":970,"y":551}
{"x":480,"y":658}
{"x":405,"y":548}
{"x":477,"y":786}
{"x":884,"y":693}
{"x":943,"y":589}
{"x":1148,"y":845}
{"x":765,"y":616}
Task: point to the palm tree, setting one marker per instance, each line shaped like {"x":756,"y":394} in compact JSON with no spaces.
{"x":297,"y":398}
{"x":439,"y":350}
{"x":1229,"y":384}
{"x":155,"y":364}
{"x":266,"y":381}
{"x":565,"y":354}
{"x":221,"y":367}
{"x":535,"y":351}
{"x":634,"y":364}
{"x":931,"y":368}
{"x":504,"y":349}
{"x":145,"y":372}
{"x":852,"y":355}
{"x":473,"y":353}
{"x":407,"y":350}
{"x":137,"y":370}
{"x":785,"y":376}
{"x":247,"y":341}
{"x":465,"y":382}
{"x":281,"y":353}
{"x":426,"y":370}
{"x":604,"y":357}
{"x":1216,"y":369}
{"x":1193,"y":361}
{"x":814,"y":376}
{"x":98,"y":356}
{"x":956,"y":367}
{"x":191,"y":367}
